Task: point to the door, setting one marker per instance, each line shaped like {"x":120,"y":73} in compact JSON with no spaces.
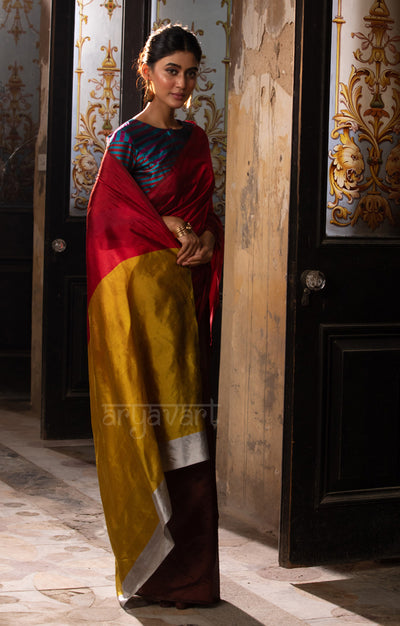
{"x":341,"y":471}
{"x":19,"y":113}
{"x":77,"y":132}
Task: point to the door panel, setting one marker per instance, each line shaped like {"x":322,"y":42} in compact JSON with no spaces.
{"x":362,"y":383}
{"x":15,"y":315}
{"x":341,"y":471}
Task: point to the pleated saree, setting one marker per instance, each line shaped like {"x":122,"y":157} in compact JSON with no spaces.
{"x":147,"y":318}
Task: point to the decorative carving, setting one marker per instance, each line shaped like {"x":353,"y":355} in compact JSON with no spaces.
{"x":375,"y":125}
{"x":79,"y":44}
{"x":393,"y":173}
{"x":108,"y":83}
{"x":373,"y":209}
{"x":17,"y":134}
{"x":347,"y":169}
{"x":110,"y":5}
{"x":88,"y":141}
{"x":13,"y":10}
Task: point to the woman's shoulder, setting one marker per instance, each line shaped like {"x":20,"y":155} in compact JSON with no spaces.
{"x":198,"y":133}
{"x":128,"y":131}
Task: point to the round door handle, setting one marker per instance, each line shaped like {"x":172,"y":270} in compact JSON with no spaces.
{"x":59,"y":245}
{"x":313,"y":280}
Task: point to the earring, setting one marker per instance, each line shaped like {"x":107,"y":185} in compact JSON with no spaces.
{"x":149,"y":91}
{"x":188,"y":108}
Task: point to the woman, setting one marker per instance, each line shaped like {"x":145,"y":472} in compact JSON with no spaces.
{"x":154,"y":254}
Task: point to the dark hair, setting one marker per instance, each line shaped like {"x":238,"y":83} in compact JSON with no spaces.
{"x":163,"y":42}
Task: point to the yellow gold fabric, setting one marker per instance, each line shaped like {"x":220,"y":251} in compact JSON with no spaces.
{"x":145,"y":394}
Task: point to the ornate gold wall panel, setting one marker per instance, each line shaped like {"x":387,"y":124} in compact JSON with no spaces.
{"x":19,"y":99}
{"x":210,"y":20}
{"x":364,"y":143}
{"x":96,"y":92}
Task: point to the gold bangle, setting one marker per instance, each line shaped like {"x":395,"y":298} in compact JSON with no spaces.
{"x":183,"y":229}
{"x":180,"y":231}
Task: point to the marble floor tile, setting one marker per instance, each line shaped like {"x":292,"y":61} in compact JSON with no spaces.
{"x":56,"y":564}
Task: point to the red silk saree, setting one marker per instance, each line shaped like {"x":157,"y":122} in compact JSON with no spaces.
{"x":153,"y":445}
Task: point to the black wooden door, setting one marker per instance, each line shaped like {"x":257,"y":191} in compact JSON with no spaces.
{"x":15,"y":272}
{"x":341,"y":473}
{"x":65,"y":395}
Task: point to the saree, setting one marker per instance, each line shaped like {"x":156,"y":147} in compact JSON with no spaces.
{"x":152,"y":439}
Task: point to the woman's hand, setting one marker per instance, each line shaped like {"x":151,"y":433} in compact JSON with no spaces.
{"x":190,"y":243}
{"x":204,"y":253}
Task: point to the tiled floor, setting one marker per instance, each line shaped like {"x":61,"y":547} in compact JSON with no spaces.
{"x":56,"y":566}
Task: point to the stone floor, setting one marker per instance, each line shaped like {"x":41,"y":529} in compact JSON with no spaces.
{"x":56,"y":566}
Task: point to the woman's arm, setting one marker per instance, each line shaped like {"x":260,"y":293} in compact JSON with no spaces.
{"x":190,"y":242}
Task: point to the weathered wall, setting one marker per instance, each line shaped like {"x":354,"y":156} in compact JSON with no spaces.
{"x":254,"y":301}
{"x":39,"y":199}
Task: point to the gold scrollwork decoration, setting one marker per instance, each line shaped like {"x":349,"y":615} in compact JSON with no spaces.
{"x":214,"y":128}
{"x":12,"y":11}
{"x":373,"y":209}
{"x":17,"y":134}
{"x":159,"y":22}
{"x":214,"y":118}
{"x":340,"y":216}
{"x":107,"y":85}
{"x":88,"y":140}
{"x":346,"y":170}
{"x":79,"y":44}
{"x":376,"y":125}
{"x":393,"y":173}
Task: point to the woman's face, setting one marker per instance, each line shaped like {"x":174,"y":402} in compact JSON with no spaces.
{"x":173,"y":78}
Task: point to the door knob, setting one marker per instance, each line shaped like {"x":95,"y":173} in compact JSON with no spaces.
{"x":59,"y":245}
{"x":312,"y":281}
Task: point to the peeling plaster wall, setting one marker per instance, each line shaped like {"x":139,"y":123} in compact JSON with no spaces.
{"x":39,"y":198}
{"x":254,"y":301}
